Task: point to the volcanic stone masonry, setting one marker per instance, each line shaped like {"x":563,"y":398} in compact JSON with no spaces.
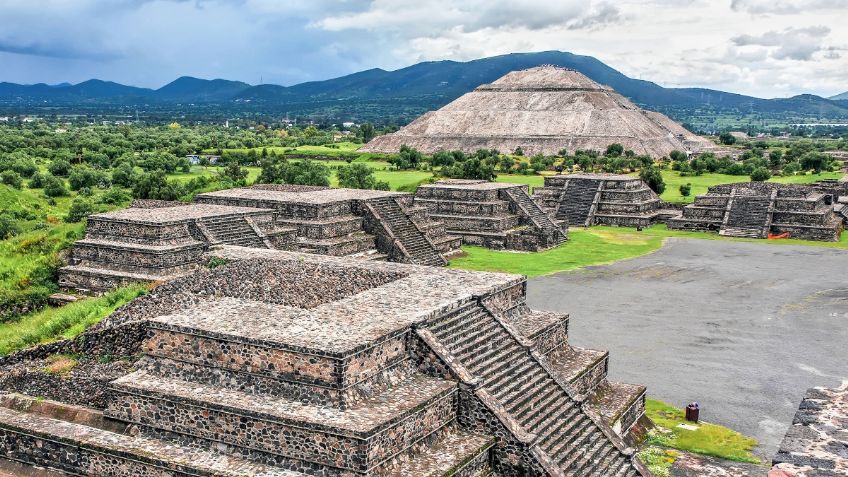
{"x":373,"y":224}
{"x":582,"y":200}
{"x":816,"y":444}
{"x":278,"y":363}
{"x":494,"y":215}
{"x":159,"y":241}
{"x":542,"y":110}
{"x":760,"y":209}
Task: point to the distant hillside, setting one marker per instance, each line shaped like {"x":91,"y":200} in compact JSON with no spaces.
{"x":188,"y":88}
{"x":838,"y":97}
{"x":401,"y":95}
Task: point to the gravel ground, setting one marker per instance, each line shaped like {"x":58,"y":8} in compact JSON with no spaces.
{"x":743,"y":328}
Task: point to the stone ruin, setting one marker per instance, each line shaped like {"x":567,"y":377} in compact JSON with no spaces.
{"x":491,"y":214}
{"x":156,"y":241}
{"x":367,"y":223}
{"x":816,"y":444}
{"x":760,"y":209}
{"x":279,"y":363}
{"x":582,"y":200}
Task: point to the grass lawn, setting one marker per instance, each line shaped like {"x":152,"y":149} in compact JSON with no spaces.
{"x":707,"y":439}
{"x":66,"y":322}
{"x":532,"y":180}
{"x":597,"y":246}
{"x":673,"y":181}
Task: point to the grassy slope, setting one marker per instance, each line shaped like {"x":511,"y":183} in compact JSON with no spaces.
{"x":596,"y":246}
{"x":66,"y":322}
{"x":708,"y":439}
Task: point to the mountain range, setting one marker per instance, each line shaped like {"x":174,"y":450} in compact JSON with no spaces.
{"x":403,"y":94}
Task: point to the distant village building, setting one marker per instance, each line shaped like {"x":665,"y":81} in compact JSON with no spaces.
{"x":348,"y":124}
{"x":196,"y":159}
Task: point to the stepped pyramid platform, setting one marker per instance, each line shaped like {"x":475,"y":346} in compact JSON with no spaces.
{"x":143,"y":244}
{"x":280,"y":363}
{"x":582,"y":200}
{"x":367,"y":223}
{"x":760,"y":209}
{"x":541,"y":110}
{"x":491,"y":214}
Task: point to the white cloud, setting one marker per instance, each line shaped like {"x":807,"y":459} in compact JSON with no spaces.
{"x":759,"y":47}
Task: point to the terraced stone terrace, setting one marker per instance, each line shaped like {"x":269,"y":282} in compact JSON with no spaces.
{"x":760,"y":209}
{"x":581,"y":200}
{"x":363,"y":223}
{"x":492,"y":214}
{"x":284,"y":363}
{"x":140,"y":244}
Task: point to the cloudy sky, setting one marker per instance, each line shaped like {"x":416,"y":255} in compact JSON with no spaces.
{"x":766,"y":48}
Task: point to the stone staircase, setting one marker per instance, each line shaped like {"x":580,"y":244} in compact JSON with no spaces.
{"x":211,"y":400}
{"x":530,"y":394}
{"x":420,"y":249}
{"x":531,"y":210}
{"x":576,"y":202}
{"x":747,"y":216}
{"x":231,"y":231}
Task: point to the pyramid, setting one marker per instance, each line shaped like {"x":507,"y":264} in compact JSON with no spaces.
{"x":542,"y":110}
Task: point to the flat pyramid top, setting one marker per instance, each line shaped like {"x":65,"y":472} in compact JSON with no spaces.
{"x":544,"y":77}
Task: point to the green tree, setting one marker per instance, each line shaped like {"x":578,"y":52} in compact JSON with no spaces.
{"x":614,"y":150}
{"x":307,"y":172}
{"x":11,"y":179}
{"x":59,"y":167}
{"x":123,"y":175}
{"x":726,"y":138}
{"x":685,"y":189}
{"x":234,"y":173}
{"x":653,"y":177}
{"x":80,"y":209}
{"x":155,"y":185}
{"x":84,"y":176}
{"x":8,"y":225}
{"x":54,"y":187}
{"x":678,"y":156}
{"x":760,"y":174}
{"x":359,"y":176}
{"x":367,"y":131}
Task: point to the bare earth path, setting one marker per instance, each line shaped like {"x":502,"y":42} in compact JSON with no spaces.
{"x":743,"y":328}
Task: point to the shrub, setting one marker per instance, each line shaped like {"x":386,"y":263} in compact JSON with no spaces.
{"x":11,"y":179}
{"x":59,"y":167}
{"x":357,"y":176}
{"x":685,"y":189}
{"x":614,"y":150}
{"x":726,"y":138}
{"x":8,"y":225}
{"x":84,"y":176}
{"x":155,"y":186}
{"x":54,"y":187}
{"x":653,"y":177}
{"x":80,"y":209}
{"x":760,"y":174}
{"x":123,"y":175}
{"x":37,"y":181}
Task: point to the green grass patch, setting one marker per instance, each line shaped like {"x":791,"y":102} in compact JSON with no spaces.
{"x":700,"y":184}
{"x":658,"y":460}
{"x":65,"y":322}
{"x":707,"y":439}
{"x":598,"y":246}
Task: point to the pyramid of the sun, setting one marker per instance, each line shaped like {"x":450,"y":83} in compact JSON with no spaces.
{"x":542,"y":110}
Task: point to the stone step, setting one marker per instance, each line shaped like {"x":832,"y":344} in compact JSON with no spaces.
{"x":582,"y":368}
{"x":452,"y":453}
{"x":338,"y":246}
{"x":619,"y":404}
{"x":444,"y":327}
{"x":77,"y":449}
{"x":281,"y":430}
